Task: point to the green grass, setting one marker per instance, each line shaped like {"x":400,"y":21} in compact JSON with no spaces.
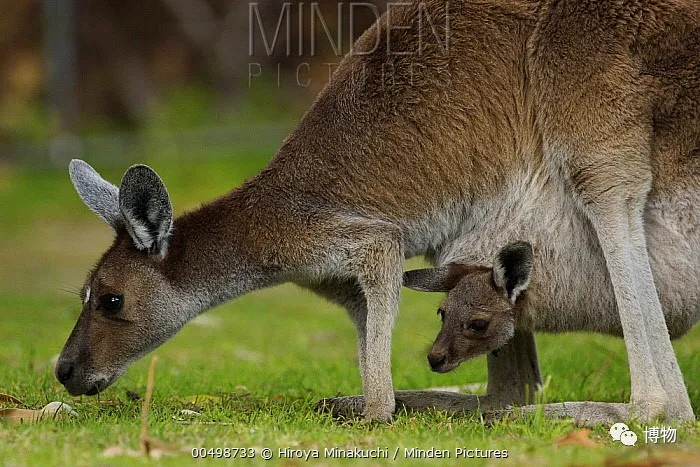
{"x":267,"y":357}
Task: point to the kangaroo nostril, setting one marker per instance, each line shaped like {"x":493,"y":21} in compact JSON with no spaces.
{"x":436,"y":360}
{"x":64,"y":370}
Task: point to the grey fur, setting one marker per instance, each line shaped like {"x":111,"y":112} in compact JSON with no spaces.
{"x":583,"y":413}
{"x":98,"y":194}
{"x":514,"y":371}
{"x":141,"y":204}
{"x":429,"y":280}
{"x":145,"y":204}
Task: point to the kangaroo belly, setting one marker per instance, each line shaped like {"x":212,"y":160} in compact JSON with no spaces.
{"x":570,"y":289}
{"x":672,"y":225}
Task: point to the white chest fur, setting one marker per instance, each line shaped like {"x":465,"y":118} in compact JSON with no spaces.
{"x":570,"y":288}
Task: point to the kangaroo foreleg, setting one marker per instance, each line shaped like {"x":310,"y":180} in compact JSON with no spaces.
{"x":514,"y":371}
{"x":348,"y":294}
{"x":514,"y":375}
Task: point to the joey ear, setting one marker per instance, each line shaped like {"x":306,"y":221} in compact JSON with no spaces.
{"x":512,"y":268}
{"x":442,"y":279}
{"x":145,"y":205}
{"x":97,"y":193}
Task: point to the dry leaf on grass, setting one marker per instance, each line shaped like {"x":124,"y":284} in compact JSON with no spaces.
{"x":657,"y":458}
{"x":109,"y":402}
{"x":153,"y":445}
{"x":51,"y":411}
{"x":682,"y":458}
{"x":577,"y":438}
{"x":20,"y":415}
{"x":155,"y":449}
{"x":635,"y":463}
{"x":10,"y":399}
{"x":185,"y":414}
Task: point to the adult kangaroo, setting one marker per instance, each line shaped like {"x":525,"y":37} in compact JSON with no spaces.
{"x":501,"y":106}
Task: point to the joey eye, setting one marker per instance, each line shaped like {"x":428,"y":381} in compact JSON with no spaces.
{"x":110,"y":303}
{"x":441,"y":313}
{"x":478,"y":325}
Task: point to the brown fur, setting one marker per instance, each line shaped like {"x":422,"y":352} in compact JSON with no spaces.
{"x":599,"y":95}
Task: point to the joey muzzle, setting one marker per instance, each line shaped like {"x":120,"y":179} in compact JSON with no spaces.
{"x":441,"y":359}
{"x":436,"y":361}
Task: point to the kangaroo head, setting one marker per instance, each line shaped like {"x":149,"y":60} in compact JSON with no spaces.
{"x":128,"y":305}
{"x":479,"y":313}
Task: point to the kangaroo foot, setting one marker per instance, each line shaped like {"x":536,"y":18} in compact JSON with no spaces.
{"x":343,"y":406}
{"x":411,"y":401}
{"x":584,"y":413}
{"x":679,"y":411}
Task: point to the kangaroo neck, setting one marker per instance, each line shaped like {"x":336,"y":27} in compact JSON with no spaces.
{"x":221,"y":250}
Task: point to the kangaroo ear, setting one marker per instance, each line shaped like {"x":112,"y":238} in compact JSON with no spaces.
{"x":512,"y":268}
{"x":145,"y":205}
{"x":97,"y":193}
{"x":442,"y":279}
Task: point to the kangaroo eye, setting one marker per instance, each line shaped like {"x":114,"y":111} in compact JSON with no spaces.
{"x":478,"y":325}
{"x":110,"y":303}
{"x":441,"y":312}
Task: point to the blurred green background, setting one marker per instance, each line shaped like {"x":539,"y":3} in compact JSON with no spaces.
{"x":107,"y":79}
